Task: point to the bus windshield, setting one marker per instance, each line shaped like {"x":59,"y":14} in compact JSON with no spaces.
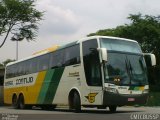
{"x":125,"y":69}
{"x":120,"y":45}
{"x":125,"y":65}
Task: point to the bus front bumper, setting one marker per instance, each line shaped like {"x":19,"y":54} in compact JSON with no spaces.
{"x":121,"y":100}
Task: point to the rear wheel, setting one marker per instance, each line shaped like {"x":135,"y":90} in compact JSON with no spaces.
{"x":21,"y":102}
{"x":112,"y":108}
{"x":77,"y":102}
{"x":14,"y":101}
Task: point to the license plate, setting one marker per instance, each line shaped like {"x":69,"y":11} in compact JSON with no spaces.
{"x":131,"y":99}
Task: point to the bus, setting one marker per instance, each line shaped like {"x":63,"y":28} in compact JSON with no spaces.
{"x":97,"y":71}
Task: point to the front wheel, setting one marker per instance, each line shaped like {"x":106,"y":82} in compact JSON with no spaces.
{"x":77,"y":102}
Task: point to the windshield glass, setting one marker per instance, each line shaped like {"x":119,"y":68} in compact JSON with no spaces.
{"x":125,"y":69}
{"x":120,"y":45}
{"x":137,"y":69}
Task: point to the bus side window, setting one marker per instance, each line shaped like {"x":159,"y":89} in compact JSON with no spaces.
{"x":56,"y":59}
{"x":91,"y":63}
{"x":72,"y":55}
{"x":33,"y":65}
{"x":43,"y":62}
{"x":20,"y":68}
{"x":27,"y":64}
{"x":14,"y":69}
{"x":8,"y":72}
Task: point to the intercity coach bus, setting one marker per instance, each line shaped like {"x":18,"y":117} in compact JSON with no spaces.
{"x":95,"y":71}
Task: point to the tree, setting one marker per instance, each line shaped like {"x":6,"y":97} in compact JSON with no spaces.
{"x":19,"y":18}
{"x":1,"y":66}
{"x":4,"y":63}
{"x":7,"y":61}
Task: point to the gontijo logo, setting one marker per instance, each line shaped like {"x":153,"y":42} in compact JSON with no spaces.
{"x":91,"y":97}
{"x":20,"y":81}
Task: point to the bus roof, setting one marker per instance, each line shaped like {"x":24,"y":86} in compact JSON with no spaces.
{"x":56,"y":47}
{"x":109,"y":37}
{"x":93,"y":37}
{"x":50,"y":49}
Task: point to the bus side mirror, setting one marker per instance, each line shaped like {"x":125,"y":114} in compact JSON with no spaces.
{"x":103,"y":52}
{"x":150,"y":59}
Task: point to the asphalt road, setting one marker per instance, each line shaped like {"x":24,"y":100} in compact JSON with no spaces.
{"x":123,"y":113}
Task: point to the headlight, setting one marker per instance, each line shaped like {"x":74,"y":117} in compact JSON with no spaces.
{"x":113,"y":90}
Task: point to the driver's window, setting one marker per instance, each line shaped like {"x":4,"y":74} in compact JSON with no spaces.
{"x":91,"y":63}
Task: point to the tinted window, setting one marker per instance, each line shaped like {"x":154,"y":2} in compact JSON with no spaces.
{"x":116,"y":68}
{"x":20,"y":68}
{"x":72,"y":55}
{"x":43,"y":62}
{"x":27,"y":65}
{"x":14,"y":70}
{"x":8,"y":72}
{"x":91,"y":63}
{"x":56,"y":59}
{"x":33,"y":65}
{"x":128,"y":68}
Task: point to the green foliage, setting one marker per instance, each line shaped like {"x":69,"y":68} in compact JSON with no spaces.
{"x":20,"y":19}
{"x":7,"y":61}
{"x":1,"y":66}
{"x":4,"y":63}
{"x":154,"y":98}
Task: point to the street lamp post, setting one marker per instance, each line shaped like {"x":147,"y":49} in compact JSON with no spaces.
{"x":17,"y":50}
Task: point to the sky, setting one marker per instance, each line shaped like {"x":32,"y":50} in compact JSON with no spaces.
{"x":69,"y":20}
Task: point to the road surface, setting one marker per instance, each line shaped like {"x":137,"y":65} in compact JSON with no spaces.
{"x":123,"y":113}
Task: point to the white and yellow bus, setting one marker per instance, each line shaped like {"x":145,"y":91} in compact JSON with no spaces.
{"x":95,"y":71}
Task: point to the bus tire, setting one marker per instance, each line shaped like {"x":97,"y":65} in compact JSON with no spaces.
{"x":21,"y":102}
{"x":77,"y":102}
{"x":15,"y":101}
{"x":112,"y":108}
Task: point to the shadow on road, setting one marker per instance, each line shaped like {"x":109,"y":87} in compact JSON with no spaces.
{"x":85,"y":110}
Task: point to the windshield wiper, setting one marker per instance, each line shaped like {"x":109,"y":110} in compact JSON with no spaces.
{"x":128,"y":71}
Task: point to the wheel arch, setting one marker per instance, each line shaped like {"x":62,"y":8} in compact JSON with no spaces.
{"x":14,"y":95}
{"x":71,"y":93}
{"x":21,"y":93}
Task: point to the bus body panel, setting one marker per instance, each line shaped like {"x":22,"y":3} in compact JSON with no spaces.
{"x":42,"y":90}
{"x":29,"y":88}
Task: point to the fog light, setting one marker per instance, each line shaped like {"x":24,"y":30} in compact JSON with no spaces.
{"x":145,"y":91}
